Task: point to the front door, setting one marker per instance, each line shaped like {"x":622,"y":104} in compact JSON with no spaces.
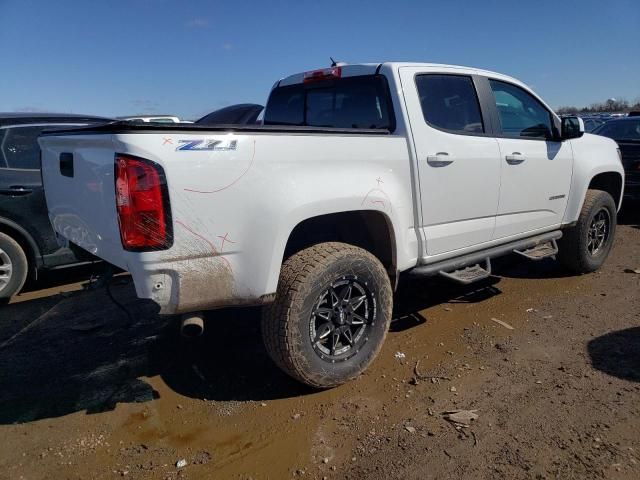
{"x":458,"y":159}
{"x":535,"y":169}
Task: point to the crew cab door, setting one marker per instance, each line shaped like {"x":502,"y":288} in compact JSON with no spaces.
{"x":458,"y":160}
{"x":535,"y":169}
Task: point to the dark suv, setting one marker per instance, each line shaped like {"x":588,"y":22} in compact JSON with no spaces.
{"x":626,"y":133}
{"x":27,"y":241}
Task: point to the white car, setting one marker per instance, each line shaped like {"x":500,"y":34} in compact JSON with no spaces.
{"x":359,"y":173}
{"x":154,"y":119}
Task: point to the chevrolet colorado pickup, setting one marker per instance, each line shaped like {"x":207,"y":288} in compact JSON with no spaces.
{"x":358,"y":173}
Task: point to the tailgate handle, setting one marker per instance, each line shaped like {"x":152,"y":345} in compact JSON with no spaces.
{"x":66,"y":164}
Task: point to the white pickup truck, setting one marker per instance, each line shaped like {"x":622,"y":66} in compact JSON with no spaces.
{"x":360,"y":172}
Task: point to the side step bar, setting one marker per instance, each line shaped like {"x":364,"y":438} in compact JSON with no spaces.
{"x":469,"y":275}
{"x":540,"y":251}
{"x":458,"y":263}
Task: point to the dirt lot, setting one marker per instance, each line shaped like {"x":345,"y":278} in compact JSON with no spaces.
{"x":88,"y":390}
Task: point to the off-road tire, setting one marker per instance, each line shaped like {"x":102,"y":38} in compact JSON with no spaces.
{"x":20,"y":267}
{"x":572,"y":247}
{"x":285,"y":323}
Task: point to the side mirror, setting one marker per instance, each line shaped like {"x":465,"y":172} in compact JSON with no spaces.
{"x":572,"y":127}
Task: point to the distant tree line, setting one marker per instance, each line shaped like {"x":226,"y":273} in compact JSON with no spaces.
{"x":610,"y":106}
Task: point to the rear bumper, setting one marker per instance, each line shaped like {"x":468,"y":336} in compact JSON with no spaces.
{"x":193,"y":284}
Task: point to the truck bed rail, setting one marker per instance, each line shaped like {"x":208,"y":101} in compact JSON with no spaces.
{"x":128,"y":127}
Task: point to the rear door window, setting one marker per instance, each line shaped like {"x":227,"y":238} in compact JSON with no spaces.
{"x":521,"y":114}
{"x":450,"y":102}
{"x":3,"y":161}
{"x":351,"y":102}
{"x":20,"y":147}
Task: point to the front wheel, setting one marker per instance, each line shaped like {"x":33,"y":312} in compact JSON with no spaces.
{"x":585,"y":246}
{"x":330,"y":316}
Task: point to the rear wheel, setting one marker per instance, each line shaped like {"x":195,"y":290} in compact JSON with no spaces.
{"x":585,"y":247}
{"x":13,"y":267}
{"x":330,"y":316}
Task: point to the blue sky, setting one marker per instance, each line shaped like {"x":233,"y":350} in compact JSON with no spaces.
{"x":187,"y":57}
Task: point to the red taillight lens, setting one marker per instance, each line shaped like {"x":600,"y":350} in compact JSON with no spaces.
{"x":142,"y":202}
{"x":324,"y":74}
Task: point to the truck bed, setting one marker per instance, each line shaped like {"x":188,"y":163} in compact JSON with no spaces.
{"x":235,"y":194}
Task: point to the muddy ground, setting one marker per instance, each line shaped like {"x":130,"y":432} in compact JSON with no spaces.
{"x":90,"y":389}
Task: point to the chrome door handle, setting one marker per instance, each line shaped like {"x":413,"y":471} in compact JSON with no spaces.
{"x":15,"y":191}
{"x":440,"y":159}
{"x":516,"y":158}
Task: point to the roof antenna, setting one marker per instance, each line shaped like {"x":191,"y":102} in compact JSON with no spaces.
{"x":333,"y":62}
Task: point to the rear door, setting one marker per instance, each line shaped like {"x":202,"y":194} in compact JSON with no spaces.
{"x":458,"y":159}
{"x":535,"y":169}
{"x":21,"y":193}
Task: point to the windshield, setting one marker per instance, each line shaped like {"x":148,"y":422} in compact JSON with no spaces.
{"x":352,"y":102}
{"x":620,"y":130}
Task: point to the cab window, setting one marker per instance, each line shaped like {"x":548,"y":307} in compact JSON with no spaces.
{"x":450,"y":102}
{"x":360,"y":102}
{"x":521,"y":114}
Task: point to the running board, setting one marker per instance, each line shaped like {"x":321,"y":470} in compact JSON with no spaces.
{"x":457,"y":263}
{"x":540,"y":251}
{"x":469,"y":275}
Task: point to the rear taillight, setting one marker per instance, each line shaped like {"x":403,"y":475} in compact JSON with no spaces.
{"x":324,"y":74}
{"x":142,"y":201}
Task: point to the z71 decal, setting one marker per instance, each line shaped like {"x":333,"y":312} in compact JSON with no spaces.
{"x":207,"y":145}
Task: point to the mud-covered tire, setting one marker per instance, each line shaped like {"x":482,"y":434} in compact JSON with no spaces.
{"x":287,"y":323}
{"x":573,"y":247}
{"x":14,"y":267}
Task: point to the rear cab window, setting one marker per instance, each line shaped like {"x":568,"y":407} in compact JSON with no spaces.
{"x":359,"y":102}
{"x":450,"y":103}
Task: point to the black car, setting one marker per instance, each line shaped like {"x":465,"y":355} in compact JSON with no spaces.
{"x":591,"y":123}
{"x":240,"y":114}
{"x":626,"y":133}
{"x":27,"y":241}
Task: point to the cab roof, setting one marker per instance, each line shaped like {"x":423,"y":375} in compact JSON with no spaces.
{"x":355,"y":69}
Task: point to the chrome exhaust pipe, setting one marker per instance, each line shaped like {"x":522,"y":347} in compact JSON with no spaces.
{"x":192,"y":325}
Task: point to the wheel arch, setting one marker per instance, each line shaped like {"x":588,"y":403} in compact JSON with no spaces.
{"x":371,"y":230}
{"x":25,"y":240}
{"x":610,"y":182}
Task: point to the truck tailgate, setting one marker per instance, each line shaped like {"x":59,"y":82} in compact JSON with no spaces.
{"x":78,"y":177}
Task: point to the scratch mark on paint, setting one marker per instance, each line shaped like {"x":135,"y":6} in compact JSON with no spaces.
{"x":167,"y":140}
{"x":380,"y":191}
{"x":253,"y":156}
{"x":225,"y":238}
{"x":209,"y":242}
{"x":379,"y":180}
